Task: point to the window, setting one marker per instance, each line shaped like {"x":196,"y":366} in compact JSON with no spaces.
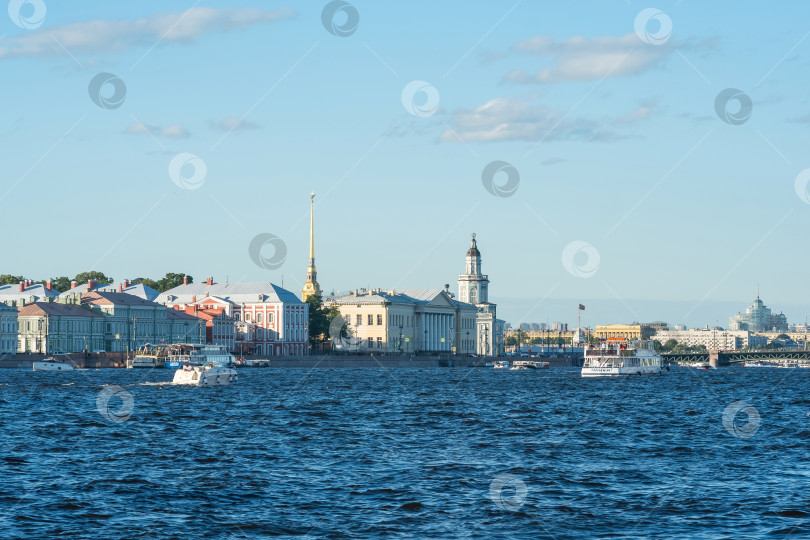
{"x":370,"y":319}
{"x":271,"y":317}
{"x":358,"y":320}
{"x":370,"y":343}
{"x":259,"y":318}
{"x":379,"y":320}
{"x":247,"y":317}
{"x":379,"y":343}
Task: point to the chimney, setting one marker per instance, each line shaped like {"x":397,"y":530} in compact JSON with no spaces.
{"x":90,"y":284}
{"x":22,"y":286}
{"x":185,"y":280}
{"x":73,"y":284}
{"x":209,"y":281}
{"x":121,"y":287}
{"x":49,"y":285}
{"x":194,"y":298}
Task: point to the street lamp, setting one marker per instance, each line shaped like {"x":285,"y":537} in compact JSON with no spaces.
{"x":467,"y":342}
{"x":400,"y":338}
{"x":425,"y":342}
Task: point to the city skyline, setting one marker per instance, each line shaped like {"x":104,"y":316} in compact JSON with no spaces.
{"x":631,"y":194}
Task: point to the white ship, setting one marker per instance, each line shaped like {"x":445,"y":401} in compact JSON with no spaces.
{"x":622,"y":358}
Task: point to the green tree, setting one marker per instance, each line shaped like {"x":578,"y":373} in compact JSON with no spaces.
{"x":8,"y":279}
{"x":146,"y":281}
{"x":171,"y":280}
{"x":319,"y":320}
{"x":61,"y":283}
{"x":100,"y":278}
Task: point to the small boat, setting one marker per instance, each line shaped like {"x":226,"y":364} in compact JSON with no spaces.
{"x":52,"y":364}
{"x":530,"y":364}
{"x":501,"y":364}
{"x":210,"y":375}
{"x":702,"y":365}
{"x":622,"y":358}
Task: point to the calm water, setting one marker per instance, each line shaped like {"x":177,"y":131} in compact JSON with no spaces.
{"x":409,"y":452}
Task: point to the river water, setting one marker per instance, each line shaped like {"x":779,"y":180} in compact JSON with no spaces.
{"x":425,"y":453}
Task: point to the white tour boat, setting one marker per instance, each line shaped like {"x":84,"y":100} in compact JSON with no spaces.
{"x":622,"y":358}
{"x":209,"y":375}
{"x":52,"y":364}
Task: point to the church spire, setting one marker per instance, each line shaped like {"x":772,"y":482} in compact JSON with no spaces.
{"x":311,"y":287}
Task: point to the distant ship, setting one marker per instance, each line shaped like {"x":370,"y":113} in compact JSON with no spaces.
{"x":616,"y":358}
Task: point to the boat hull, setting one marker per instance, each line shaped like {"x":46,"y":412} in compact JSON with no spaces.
{"x":198,"y":376}
{"x":52,"y":366}
{"x":621,"y":371}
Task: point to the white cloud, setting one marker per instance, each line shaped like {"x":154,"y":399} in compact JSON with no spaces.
{"x":640,"y":113}
{"x":233,"y":124}
{"x":586,"y":59}
{"x":116,"y":36}
{"x":511,"y":119}
{"x":170,"y":132}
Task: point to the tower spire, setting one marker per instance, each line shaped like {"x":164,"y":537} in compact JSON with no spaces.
{"x":311,"y":287}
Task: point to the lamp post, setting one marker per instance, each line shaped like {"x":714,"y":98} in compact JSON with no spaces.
{"x":400,"y":338}
{"x":467,"y":342}
{"x":450,"y":331}
{"x":425,"y":342}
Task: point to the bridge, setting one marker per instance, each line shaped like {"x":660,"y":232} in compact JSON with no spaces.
{"x":725,"y":358}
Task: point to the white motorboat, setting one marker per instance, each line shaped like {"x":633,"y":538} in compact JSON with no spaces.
{"x":52,"y":364}
{"x":209,"y":375}
{"x":529,"y":364}
{"x":622,"y":358}
{"x":501,"y":364}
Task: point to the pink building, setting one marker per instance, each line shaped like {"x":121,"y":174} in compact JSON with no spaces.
{"x":270,"y":321}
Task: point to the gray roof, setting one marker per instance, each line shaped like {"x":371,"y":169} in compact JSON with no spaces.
{"x":11,"y":293}
{"x":236,"y":293}
{"x":136,"y":289}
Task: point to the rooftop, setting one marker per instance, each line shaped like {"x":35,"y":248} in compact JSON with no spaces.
{"x":53,"y":308}
{"x":236,"y":293}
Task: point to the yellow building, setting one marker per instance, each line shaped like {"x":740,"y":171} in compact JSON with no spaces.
{"x":621,"y":331}
{"x":407,"y":321}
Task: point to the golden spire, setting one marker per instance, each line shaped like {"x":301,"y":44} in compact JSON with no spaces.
{"x":311,"y":286}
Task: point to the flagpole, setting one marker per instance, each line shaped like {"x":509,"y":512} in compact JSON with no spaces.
{"x":579,"y":321}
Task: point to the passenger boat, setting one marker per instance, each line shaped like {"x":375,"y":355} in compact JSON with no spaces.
{"x":501,"y":364}
{"x":618,"y":358}
{"x":210,"y":375}
{"x":200,"y":355}
{"x":52,"y":364}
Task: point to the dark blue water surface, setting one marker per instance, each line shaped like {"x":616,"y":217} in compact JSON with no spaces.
{"x":435,"y":453}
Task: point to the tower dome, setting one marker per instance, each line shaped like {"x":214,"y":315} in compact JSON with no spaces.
{"x":473,"y":251}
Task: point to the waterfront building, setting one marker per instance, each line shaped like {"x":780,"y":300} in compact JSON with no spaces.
{"x":131,"y":321}
{"x":713,"y":339}
{"x":311,"y":287}
{"x":623,"y":331}
{"x":270,"y":320}
{"x":758,"y":318}
{"x":220,"y":329}
{"x":408,"y":321}
{"x":26,"y":292}
{"x":473,"y":288}
{"x":183,"y":328}
{"x":136,"y":289}
{"x":53,"y":327}
{"x":8,"y":329}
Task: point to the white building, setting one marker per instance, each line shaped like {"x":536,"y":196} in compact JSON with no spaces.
{"x":473,"y":288}
{"x":271,"y":321}
{"x":8,"y":329}
{"x":712,"y":339}
{"x":407,"y":321}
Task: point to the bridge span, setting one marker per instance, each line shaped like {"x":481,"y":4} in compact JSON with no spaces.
{"x":726,"y":358}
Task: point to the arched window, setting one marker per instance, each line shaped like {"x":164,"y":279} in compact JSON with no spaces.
{"x":474,"y":295}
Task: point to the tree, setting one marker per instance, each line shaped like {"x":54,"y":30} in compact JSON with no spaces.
{"x":320,"y":318}
{"x":172,"y":280}
{"x":100,"y":278}
{"x":148,"y":282}
{"x":61,"y":283}
{"x":8,"y":279}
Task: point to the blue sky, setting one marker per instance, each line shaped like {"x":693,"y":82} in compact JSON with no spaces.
{"x":616,"y":142}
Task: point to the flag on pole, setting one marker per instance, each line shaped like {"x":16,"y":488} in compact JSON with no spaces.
{"x":581,"y":307}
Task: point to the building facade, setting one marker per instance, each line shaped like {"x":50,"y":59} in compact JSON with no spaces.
{"x":473,"y":288}
{"x":758,"y":318}
{"x":711,"y":338}
{"x":220,"y":329}
{"x":8,"y":329}
{"x":406,"y":321}
{"x":270,"y":321}
{"x":623,"y":331}
{"x":54,"y":327}
{"x":131,"y":321}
